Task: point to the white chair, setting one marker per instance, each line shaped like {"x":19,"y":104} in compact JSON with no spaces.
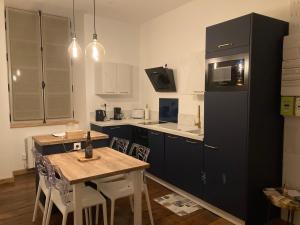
{"x":118,"y":144}
{"x":63,"y":198}
{"x":124,"y":188}
{"x":43,"y":186}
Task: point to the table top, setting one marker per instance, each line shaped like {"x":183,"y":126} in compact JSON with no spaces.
{"x":111,"y":163}
{"x":49,"y":139}
{"x":278,"y":199}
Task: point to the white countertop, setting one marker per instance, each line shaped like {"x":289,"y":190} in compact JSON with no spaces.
{"x":170,"y":128}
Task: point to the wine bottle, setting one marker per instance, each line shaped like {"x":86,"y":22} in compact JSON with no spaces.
{"x":88,"y":146}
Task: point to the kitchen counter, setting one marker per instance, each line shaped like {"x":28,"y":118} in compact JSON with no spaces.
{"x":191,"y":132}
{"x":49,"y":139}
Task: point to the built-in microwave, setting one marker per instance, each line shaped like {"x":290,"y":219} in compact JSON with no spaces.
{"x":227,"y":73}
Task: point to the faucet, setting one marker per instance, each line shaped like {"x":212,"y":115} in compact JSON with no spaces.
{"x":199,"y":118}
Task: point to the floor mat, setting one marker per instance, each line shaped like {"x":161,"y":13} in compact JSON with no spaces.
{"x":178,"y":204}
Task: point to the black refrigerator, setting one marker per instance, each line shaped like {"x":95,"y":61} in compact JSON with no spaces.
{"x":243,"y":128}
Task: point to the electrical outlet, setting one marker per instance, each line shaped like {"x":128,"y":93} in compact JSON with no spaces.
{"x":77,"y":146}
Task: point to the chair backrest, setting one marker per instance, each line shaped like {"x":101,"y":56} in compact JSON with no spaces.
{"x":139,"y":151}
{"x":60,"y":183}
{"x":119,"y":144}
{"x":39,"y":163}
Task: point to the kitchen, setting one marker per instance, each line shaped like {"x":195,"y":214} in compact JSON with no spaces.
{"x":181,"y":47}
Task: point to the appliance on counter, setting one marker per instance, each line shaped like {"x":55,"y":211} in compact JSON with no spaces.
{"x":118,"y":115}
{"x":162,"y":79}
{"x":100,"y":115}
{"x":138,"y":114}
{"x":168,"y":110}
{"x":242,"y":122}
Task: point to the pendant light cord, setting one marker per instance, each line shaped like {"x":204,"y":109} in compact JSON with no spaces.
{"x":74,"y":33}
{"x":95,"y":34}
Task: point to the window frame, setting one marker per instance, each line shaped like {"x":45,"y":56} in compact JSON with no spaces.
{"x":44,"y":121}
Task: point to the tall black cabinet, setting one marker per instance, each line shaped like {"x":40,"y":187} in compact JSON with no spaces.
{"x":243,"y":127}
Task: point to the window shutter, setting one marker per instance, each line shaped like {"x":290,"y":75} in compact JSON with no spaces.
{"x":57,"y":76}
{"x":24,"y":44}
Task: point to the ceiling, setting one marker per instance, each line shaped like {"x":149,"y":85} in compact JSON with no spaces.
{"x":133,"y":11}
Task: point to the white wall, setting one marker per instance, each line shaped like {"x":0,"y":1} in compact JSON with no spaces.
{"x":178,"y":37}
{"x":121,"y":41}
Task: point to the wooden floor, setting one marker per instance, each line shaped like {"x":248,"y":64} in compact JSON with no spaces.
{"x":17,"y":201}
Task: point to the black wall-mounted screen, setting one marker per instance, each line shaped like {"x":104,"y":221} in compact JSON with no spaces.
{"x":168,"y":110}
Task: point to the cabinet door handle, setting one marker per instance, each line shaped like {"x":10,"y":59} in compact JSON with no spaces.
{"x":114,"y":128}
{"x":211,"y":147}
{"x":172,"y":137}
{"x":203,"y":177}
{"x":109,"y":92}
{"x":191,"y":142}
{"x":124,"y":92}
{"x":224,"y":179}
{"x":225,"y":45}
{"x":154,"y":133}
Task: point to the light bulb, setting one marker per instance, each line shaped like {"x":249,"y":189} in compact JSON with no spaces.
{"x":74,"y":49}
{"x":95,"y":51}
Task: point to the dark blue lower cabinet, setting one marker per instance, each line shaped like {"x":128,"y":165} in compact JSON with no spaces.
{"x":140,"y":136}
{"x":184,"y":163}
{"x":193,"y":166}
{"x":156,"y":142}
{"x":226,"y":151}
{"x":122,"y":131}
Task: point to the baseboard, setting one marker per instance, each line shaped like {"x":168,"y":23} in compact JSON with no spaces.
{"x":16,"y":173}
{"x":7,"y":180}
{"x":199,"y":201}
{"x":22,"y":172}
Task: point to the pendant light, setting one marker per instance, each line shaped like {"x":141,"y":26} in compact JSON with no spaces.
{"x":95,"y":50}
{"x":74,"y":48}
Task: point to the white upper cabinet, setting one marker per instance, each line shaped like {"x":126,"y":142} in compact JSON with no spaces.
{"x":113,"y":79}
{"x":124,"y":78}
{"x":192,"y":72}
{"x":109,"y":78}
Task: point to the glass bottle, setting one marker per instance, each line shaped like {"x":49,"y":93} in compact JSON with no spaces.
{"x":88,"y":146}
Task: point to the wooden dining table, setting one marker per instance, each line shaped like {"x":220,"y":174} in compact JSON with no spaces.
{"x":110,"y":162}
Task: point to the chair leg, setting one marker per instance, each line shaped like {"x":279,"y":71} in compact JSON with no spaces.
{"x":90,"y":216}
{"x":37,"y":199}
{"x":97,"y":215}
{"x":49,"y":212}
{"x":112,"y":212}
{"x":104,"y":213}
{"x":86,"y":216}
{"x":46,"y":207}
{"x":131,"y":203}
{"x":65,"y":217}
{"x":148,"y":204}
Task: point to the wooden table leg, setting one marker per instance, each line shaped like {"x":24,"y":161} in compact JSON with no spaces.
{"x":137,"y":185}
{"x":77,"y":203}
{"x":292,"y":216}
{"x":288,"y":218}
{"x":269,"y":212}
